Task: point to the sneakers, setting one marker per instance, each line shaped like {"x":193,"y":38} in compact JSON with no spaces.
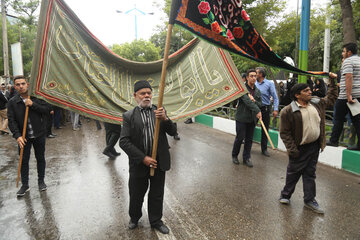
{"x":109,"y":154}
{"x":235,"y":160}
{"x":284,"y":200}
{"x":115,"y":153}
{"x":132,"y":225}
{"x":313,"y":205}
{"x":265,"y":153}
{"x":76,"y":129}
{"x":23,"y":190}
{"x":356,"y":148}
{"x":161,"y":227}
{"x":42,"y":186}
{"x":248,"y":163}
{"x":328,"y":143}
{"x":188,"y":121}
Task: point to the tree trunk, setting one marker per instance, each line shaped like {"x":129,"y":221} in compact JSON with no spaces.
{"x":347,"y":21}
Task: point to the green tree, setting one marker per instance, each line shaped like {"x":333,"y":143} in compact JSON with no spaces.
{"x":347,"y":21}
{"x":138,"y":50}
{"x":179,"y":38}
{"x":22,"y":29}
{"x":26,"y":11}
{"x":284,"y":37}
{"x":263,"y":14}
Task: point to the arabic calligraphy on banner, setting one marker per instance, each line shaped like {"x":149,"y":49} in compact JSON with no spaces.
{"x":75,"y":71}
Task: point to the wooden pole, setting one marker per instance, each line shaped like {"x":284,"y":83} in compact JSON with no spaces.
{"x":22,"y":149}
{"x":267,"y":134}
{"x":161,"y":94}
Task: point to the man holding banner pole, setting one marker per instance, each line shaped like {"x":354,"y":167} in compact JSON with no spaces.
{"x":247,"y":113}
{"x":34,"y":134}
{"x":136,"y":140}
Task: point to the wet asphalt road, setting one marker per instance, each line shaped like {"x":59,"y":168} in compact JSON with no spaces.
{"x":206,"y":195}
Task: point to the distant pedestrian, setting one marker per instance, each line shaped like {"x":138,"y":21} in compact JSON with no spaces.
{"x":35,"y":131}
{"x":12,"y":91}
{"x":57,"y":117}
{"x":268,"y":91}
{"x":349,"y":91}
{"x":137,"y":141}
{"x":176,"y":137}
{"x":49,"y":122}
{"x":4,"y":98}
{"x":98,"y":125}
{"x":302,"y":129}
{"x":319,"y":88}
{"x":247,"y":113}
{"x":281,"y":93}
{"x":75,"y":120}
{"x":112,"y":132}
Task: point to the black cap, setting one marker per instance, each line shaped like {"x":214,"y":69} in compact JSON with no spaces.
{"x":141,"y":84}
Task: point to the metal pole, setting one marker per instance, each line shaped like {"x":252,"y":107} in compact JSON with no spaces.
{"x":304,"y":38}
{"x":326,"y":65}
{"x":135,"y":27}
{"x":297,"y":34}
{"x":5,"y":42}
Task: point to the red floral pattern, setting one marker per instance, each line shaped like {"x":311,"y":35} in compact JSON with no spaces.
{"x":238,"y":32}
{"x":216,"y":27}
{"x":229,"y":35}
{"x":245,"y":16}
{"x":204,"y":7}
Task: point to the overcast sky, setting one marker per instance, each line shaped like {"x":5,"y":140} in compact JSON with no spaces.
{"x":110,"y":27}
{"x":101,"y":18}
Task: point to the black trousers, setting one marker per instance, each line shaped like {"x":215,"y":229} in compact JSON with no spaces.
{"x":305,"y":166}
{"x":265,"y":113}
{"x":341,"y":110}
{"x":137,"y":189}
{"x":112,"y":135}
{"x":57,"y":116}
{"x":243,"y":131}
{"x":39,"y":148}
{"x":49,"y":123}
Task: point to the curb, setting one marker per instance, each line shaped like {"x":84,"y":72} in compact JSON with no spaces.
{"x":337,"y":157}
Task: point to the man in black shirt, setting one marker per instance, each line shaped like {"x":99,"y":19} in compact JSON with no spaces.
{"x":35,"y":131}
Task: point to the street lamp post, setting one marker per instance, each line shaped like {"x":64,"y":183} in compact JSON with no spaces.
{"x":5,"y":42}
{"x":135,"y":11}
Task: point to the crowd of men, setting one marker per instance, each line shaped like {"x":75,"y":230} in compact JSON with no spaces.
{"x":302,"y":129}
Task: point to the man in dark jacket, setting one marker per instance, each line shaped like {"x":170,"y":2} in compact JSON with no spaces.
{"x":247,"y":113}
{"x":137,"y":141}
{"x":4,"y":98}
{"x":302,"y":129}
{"x":35,"y":131}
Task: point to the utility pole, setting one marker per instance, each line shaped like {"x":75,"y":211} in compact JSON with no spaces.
{"x":296,"y":35}
{"x":5,"y":42}
{"x":326,"y":64}
{"x":304,"y":38}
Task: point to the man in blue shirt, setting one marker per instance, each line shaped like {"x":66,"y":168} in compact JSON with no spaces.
{"x":267,"y":89}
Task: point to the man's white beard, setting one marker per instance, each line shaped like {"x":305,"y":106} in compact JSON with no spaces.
{"x":142,"y":103}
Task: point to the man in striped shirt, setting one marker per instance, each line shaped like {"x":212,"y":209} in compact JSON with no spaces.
{"x":349,"y":91}
{"x":137,"y":142}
